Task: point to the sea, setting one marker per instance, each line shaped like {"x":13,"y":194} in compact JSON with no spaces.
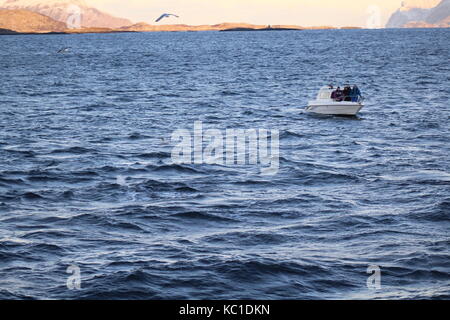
{"x":92,"y":205}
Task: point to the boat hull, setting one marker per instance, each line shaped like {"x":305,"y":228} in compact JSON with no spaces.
{"x":337,"y":108}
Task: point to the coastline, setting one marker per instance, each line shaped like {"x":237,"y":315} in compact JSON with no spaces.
{"x":8,"y":32}
{"x":224,"y":27}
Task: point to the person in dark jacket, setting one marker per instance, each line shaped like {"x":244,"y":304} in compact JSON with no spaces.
{"x":338,"y":95}
{"x":333,"y":95}
{"x":355,"y":93}
{"x":346,"y":94}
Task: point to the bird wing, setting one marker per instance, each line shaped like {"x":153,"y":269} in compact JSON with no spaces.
{"x":161,"y":17}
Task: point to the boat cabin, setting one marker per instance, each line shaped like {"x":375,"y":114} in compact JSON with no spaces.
{"x":325,"y":93}
{"x":346,"y":93}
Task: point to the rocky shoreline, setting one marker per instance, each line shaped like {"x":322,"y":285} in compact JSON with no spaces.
{"x":262,"y":29}
{"x":169,"y":28}
{"x":16,"y":22}
{"x":42,"y":17}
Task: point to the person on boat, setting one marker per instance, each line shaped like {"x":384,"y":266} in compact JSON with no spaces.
{"x":355,"y":93}
{"x":333,"y":94}
{"x":337,"y":94}
{"x":346,"y":93}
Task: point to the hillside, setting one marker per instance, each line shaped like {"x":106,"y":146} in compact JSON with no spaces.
{"x":144,"y":27}
{"x":421,"y":14}
{"x":62,"y":10}
{"x":28,"y":22}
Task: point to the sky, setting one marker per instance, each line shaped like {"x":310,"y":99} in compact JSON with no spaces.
{"x":337,"y":13}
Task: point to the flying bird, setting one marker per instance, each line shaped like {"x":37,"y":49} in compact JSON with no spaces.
{"x":166,"y":15}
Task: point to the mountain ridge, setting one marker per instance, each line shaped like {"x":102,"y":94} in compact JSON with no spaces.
{"x":24,"y":21}
{"x":421,"y":14}
{"x":66,"y":10}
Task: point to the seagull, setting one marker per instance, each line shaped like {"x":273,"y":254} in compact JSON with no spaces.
{"x":63,"y":50}
{"x":166,"y":15}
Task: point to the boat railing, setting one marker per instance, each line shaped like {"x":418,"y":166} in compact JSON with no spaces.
{"x":359,"y":99}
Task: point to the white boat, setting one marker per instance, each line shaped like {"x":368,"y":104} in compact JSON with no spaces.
{"x":324,"y":104}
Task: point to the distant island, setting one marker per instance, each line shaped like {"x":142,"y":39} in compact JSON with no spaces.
{"x":269,"y":28}
{"x":51,"y":16}
{"x":18,"y":21}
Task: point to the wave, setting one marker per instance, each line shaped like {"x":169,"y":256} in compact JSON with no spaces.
{"x":73,"y":150}
{"x":435,"y":213}
{"x":229,"y":93}
{"x":290,"y":134}
{"x":31,"y":196}
{"x":249,"y":238}
{"x":25,"y":153}
{"x":133,"y":284}
{"x":159,"y":186}
{"x":11,"y":181}
{"x":137,"y":136}
{"x":104,"y":221}
{"x":8,"y":295}
{"x":175,"y":168}
{"x":196,"y":215}
{"x":154,"y":155}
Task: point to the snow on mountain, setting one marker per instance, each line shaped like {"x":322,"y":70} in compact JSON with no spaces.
{"x":415,"y":13}
{"x":418,"y":4}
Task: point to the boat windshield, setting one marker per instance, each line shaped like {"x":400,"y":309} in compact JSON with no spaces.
{"x":337,"y":94}
{"x":324,"y":94}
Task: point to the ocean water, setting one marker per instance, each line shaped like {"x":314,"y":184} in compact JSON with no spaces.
{"x":86,"y":177}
